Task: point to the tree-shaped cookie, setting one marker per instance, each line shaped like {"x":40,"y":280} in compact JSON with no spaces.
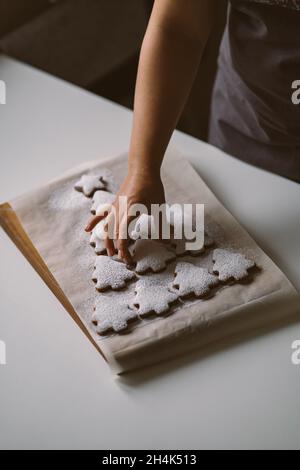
{"x":150,"y":255}
{"x":97,"y":238}
{"x":229,"y":265}
{"x":152,"y":295}
{"x":102,"y":201}
{"x":110,"y":274}
{"x":111,"y":313}
{"x":180,"y":247}
{"x":143,"y":227}
{"x":190,"y":279}
{"x":88,"y":184}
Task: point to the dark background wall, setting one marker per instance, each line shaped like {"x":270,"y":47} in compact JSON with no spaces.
{"x":95,"y":44}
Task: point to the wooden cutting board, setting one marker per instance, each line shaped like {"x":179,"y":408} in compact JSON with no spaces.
{"x":14,"y":229}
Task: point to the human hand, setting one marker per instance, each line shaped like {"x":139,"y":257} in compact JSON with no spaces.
{"x":139,"y":188}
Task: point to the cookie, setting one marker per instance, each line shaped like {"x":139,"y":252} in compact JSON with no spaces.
{"x":179,"y":246}
{"x":102,"y":201}
{"x":150,"y":255}
{"x":142,"y":227}
{"x":97,"y":238}
{"x":190,"y":279}
{"x":152,"y":295}
{"x":111,"y":313}
{"x":229,"y":265}
{"x":110,"y":274}
{"x":88,"y":184}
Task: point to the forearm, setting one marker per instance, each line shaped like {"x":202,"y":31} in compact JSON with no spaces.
{"x":168,"y":65}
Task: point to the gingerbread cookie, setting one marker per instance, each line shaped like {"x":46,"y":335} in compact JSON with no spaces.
{"x":97,"y":238}
{"x":88,"y":184}
{"x":152,"y":295}
{"x":179,"y":246}
{"x":190,"y":279}
{"x":150,"y":255}
{"x":102,"y":201}
{"x":111,"y":274}
{"x":111,"y":313}
{"x":229,"y":265}
{"x":143,"y":226}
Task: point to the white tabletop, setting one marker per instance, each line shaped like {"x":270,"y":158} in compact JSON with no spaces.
{"x":56,"y":391}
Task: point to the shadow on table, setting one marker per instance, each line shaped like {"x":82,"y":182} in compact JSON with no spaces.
{"x":141,"y":376}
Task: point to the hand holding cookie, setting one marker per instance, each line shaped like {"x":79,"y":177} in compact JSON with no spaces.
{"x":139,"y":187}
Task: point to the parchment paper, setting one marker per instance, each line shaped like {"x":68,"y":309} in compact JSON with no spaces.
{"x":54,"y":218}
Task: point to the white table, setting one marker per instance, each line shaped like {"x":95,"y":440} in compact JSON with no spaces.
{"x":56,"y":391}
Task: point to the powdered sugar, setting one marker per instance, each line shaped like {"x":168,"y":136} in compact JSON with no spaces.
{"x":109,"y":273}
{"x":192,"y":279}
{"x":102,"y":201}
{"x":88,"y":184}
{"x":111,"y":314}
{"x":97,"y":238}
{"x":150,"y":255}
{"x":231,"y":265}
{"x":152,"y":295}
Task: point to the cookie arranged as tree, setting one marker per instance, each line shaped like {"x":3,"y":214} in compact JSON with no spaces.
{"x":97,"y":238}
{"x":112,"y":314}
{"x":181,"y":249}
{"x":111,"y":274}
{"x":193,"y":280}
{"x":229,"y":265}
{"x":102,"y":201}
{"x":153,"y":296}
{"x":150,"y":255}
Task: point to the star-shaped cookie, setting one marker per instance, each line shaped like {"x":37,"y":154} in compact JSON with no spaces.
{"x":102,"y":201}
{"x":88,"y":184}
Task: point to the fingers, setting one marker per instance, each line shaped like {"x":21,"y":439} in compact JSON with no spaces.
{"x":94,"y":221}
{"x":109,"y":238}
{"x":116,"y":233}
{"x":124,"y":253}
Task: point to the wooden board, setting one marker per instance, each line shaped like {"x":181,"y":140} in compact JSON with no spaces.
{"x":14,"y":229}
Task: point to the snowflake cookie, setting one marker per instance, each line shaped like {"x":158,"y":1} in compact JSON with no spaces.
{"x":230,"y":265}
{"x":88,"y":184}
{"x":111,"y":314}
{"x":190,"y":279}
{"x":152,"y":295}
{"x":102,"y":201}
{"x":150,"y":255}
{"x":110,"y":274}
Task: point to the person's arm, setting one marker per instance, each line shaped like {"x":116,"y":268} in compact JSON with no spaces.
{"x":170,"y":55}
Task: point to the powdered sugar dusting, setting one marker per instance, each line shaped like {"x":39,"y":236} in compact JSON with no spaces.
{"x":112,"y":274}
{"x":231,"y":265}
{"x":193,"y":280}
{"x":111,"y":314}
{"x":152,"y":295}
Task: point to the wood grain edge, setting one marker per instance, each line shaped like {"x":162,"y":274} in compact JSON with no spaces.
{"x":14,"y":229}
